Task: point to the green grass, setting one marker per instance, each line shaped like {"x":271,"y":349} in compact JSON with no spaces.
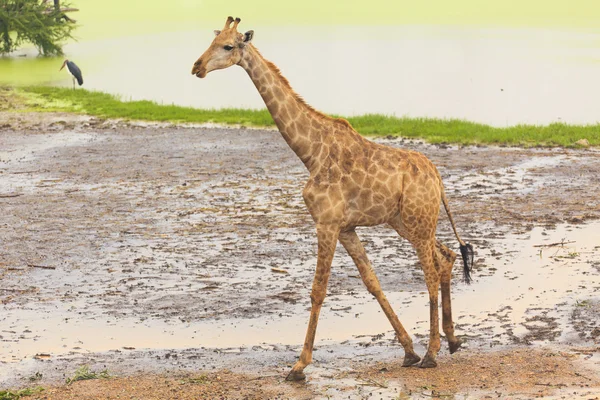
{"x":18,"y":394}
{"x":43,"y":98}
{"x":464,"y":132}
{"x":108,"y":106}
{"x":83,"y":373}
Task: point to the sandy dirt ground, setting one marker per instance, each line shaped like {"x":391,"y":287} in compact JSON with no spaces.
{"x":180,"y":259}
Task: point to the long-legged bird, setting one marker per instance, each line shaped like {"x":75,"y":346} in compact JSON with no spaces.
{"x":74,"y":71}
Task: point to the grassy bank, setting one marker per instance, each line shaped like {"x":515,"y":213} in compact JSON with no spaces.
{"x":104,"y":105}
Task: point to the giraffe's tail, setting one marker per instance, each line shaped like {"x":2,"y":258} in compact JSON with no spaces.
{"x":466,"y":249}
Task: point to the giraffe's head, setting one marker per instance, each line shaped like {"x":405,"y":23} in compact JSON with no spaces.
{"x":226,"y":49}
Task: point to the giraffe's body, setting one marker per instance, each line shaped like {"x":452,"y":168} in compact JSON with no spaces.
{"x":353,"y":182}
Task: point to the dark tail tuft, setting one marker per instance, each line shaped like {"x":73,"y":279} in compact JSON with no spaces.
{"x":467,"y":253}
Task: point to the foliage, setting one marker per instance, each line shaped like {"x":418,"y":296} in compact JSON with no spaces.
{"x":18,"y":394}
{"x":431,"y":129}
{"x":83,"y":373}
{"x":33,"y":21}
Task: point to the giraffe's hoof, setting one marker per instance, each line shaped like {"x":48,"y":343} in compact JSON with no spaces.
{"x":428,"y":362}
{"x":455,"y":345}
{"x":410,"y":359}
{"x":295,"y":376}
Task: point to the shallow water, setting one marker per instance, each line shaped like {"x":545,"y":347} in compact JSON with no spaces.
{"x":499,"y":76}
{"x":501,"y":304}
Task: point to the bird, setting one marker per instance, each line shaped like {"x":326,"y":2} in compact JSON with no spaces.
{"x":73,"y":70}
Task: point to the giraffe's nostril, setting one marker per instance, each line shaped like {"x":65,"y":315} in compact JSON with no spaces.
{"x":196,"y":67}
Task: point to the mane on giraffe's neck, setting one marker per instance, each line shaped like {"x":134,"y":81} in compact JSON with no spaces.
{"x":277,"y":72}
{"x":294,"y":118}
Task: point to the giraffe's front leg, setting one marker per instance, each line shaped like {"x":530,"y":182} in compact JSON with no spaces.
{"x":327,"y":236}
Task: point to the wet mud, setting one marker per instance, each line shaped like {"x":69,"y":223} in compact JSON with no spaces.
{"x":159,"y":248}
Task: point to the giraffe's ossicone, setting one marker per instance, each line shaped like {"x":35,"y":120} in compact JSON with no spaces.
{"x":353,"y":182}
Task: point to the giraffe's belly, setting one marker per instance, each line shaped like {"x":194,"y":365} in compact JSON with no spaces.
{"x":370,"y":208}
{"x":370,"y":216}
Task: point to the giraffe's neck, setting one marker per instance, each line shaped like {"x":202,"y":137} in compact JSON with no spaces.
{"x":295,"y":119}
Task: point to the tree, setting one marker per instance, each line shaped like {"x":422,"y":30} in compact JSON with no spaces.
{"x":36,"y":22}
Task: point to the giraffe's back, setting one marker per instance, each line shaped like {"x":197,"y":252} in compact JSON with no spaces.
{"x":363,"y":183}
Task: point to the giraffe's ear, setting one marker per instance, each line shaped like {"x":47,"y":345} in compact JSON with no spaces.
{"x":248,"y":36}
{"x":217,"y":32}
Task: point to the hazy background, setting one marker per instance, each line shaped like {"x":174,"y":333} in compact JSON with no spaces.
{"x":500,"y":62}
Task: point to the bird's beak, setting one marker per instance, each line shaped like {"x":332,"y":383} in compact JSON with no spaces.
{"x":62,"y":66}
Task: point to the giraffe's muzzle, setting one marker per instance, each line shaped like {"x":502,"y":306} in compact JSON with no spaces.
{"x":199,"y":69}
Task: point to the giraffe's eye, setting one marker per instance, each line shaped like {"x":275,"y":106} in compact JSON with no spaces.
{"x":228,"y":47}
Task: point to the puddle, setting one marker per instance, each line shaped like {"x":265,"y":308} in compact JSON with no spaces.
{"x":533,"y":286}
{"x":506,"y":303}
{"x":29,"y":147}
{"x":515,"y":179}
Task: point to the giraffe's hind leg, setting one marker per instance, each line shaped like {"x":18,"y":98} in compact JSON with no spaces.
{"x":444,"y":259}
{"x":352,"y":244}
{"x":425,"y":250}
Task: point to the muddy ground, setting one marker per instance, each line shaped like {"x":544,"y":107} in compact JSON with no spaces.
{"x":180,"y":258}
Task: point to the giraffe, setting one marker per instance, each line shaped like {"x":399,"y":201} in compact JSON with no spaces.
{"x":353,"y":182}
